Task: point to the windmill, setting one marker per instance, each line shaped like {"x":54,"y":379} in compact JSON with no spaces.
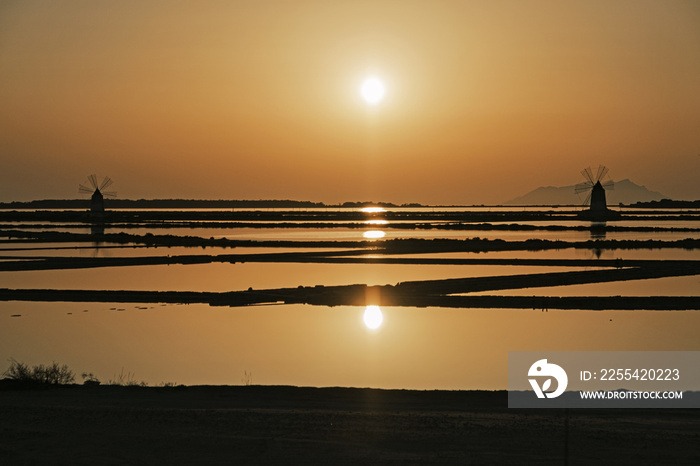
{"x":595,"y":186}
{"x":97,"y":189}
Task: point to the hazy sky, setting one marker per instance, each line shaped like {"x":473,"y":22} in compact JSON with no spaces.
{"x":485,"y":100}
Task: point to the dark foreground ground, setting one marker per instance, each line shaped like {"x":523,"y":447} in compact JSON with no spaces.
{"x":288,"y":425}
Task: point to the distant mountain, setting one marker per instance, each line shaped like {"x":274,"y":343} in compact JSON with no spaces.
{"x":626,"y":192}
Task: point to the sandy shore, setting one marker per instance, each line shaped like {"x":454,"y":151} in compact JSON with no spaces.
{"x":291,"y":425}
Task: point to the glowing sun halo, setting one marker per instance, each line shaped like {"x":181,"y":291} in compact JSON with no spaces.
{"x":372,"y":90}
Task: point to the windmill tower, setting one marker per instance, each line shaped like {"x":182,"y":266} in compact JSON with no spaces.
{"x":595,"y":187}
{"x":97,"y":189}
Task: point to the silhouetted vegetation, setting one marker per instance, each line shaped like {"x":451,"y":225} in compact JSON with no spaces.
{"x":89,"y":379}
{"x":126,"y":379}
{"x":52,"y":374}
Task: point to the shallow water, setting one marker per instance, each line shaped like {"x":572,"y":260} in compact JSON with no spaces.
{"x":569,"y":253}
{"x":238,"y":277}
{"x":429,"y":348}
{"x":422,"y":348}
{"x":139,"y":251}
{"x":668,"y":286}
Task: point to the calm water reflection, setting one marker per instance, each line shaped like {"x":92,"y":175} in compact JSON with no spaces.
{"x":428,"y":348}
{"x":236,"y":277}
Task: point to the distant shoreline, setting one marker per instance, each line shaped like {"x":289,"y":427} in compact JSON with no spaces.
{"x":286,"y":395}
{"x":187,"y":204}
{"x":83,"y":204}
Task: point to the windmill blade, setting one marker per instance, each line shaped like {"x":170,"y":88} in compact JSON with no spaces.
{"x":582,"y":187}
{"x":588,"y":199}
{"x":93,"y":182}
{"x":602,"y":171}
{"x":609,"y":185}
{"x":588,"y":175}
{"x":106,"y":183}
{"x":109,"y":194}
{"x":84,"y":189}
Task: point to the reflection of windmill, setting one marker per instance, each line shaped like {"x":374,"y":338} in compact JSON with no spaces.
{"x":595,"y":187}
{"x":97,"y":202}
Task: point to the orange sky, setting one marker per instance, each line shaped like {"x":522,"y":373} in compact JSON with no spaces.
{"x":260,"y":99}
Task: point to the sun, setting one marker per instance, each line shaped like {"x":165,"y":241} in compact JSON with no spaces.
{"x":372,"y":90}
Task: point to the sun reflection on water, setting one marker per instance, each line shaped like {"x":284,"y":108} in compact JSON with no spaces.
{"x":374,"y":234}
{"x":373,"y":317}
{"x":372,"y":210}
{"x":376,"y":222}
